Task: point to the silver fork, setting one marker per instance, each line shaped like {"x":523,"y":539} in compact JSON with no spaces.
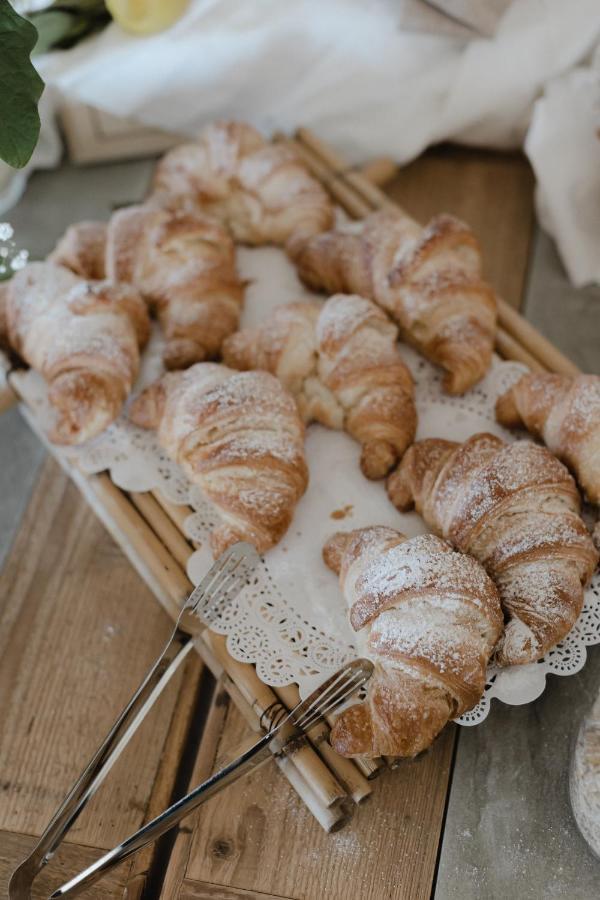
{"x":224,"y":581}
{"x":283,"y":734}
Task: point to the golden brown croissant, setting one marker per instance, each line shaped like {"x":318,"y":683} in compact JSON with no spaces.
{"x":262,"y":191}
{"x":239,"y":437}
{"x":515,"y":508}
{"x":342,"y":363}
{"x":84,"y":337}
{"x":564,"y":412}
{"x":428,"y":618}
{"x":428,"y":280}
{"x":82,"y":249}
{"x":184,"y":265}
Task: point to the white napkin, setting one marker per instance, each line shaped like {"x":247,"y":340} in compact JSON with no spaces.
{"x":343,"y":68}
{"x":563,"y":145}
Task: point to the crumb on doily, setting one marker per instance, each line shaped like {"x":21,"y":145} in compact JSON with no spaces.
{"x":343,"y":512}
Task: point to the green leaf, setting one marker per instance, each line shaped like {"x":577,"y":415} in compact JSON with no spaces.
{"x":20,"y":88}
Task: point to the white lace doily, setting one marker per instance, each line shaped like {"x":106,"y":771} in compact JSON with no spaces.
{"x":291,"y":623}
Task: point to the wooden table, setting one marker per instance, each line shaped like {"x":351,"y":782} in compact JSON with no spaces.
{"x":483,"y":814}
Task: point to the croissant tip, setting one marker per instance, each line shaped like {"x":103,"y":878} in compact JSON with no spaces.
{"x":399,"y":491}
{"x":334,"y":549}
{"x":377,"y":459}
{"x":181,"y":353}
{"x":506,"y":410}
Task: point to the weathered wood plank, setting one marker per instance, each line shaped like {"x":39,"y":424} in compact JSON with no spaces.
{"x":194,"y":890}
{"x":68,"y":593}
{"x":492,"y":192}
{"x":70,"y":859}
{"x":257,"y":837}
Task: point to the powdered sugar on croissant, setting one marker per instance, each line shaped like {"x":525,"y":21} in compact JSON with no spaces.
{"x":428,"y":279}
{"x":82,"y":249}
{"x":515,"y":508}
{"x":564,"y":411}
{"x":428,"y":618}
{"x":239,"y":437}
{"x":342,"y":363}
{"x":84,"y":337}
{"x":184,"y":265}
{"x":262,"y":191}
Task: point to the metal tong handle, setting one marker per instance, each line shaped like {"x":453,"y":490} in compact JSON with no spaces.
{"x":128,"y":721}
{"x":285,"y":729}
{"x":254,"y":757}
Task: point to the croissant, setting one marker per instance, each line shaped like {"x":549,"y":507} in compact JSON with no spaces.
{"x":427,"y":279}
{"x":262,"y":191}
{"x":239,"y":437}
{"x":428,"y":618}
{"x":515,"y":508}
{"x":184,"y":265}
{"x":564,"y":412}
{"x":82,"y":249}
{"x":342,"y":364}
{"x":85,"y":339}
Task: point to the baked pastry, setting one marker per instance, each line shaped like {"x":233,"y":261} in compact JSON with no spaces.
{"x":427,"y":279}
{"x":81,"y":249}
{"x":564,"y":412}
{"x":428,"y":618}
{"x":341,"y":362}
{"x":239,"y":437}
{"x":515,"y":508}
{"x":262,"y":191}
{"x":85,"y":339}
{"x":184,"y":265}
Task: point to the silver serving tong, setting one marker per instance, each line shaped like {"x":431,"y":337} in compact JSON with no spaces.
{"x":225,"y":579}
{"x":282,"y":737}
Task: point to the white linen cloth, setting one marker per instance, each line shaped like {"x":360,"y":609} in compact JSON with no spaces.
{"x":346,"y":69}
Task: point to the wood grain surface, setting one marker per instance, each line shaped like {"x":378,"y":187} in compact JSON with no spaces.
{"x":78,"y":630}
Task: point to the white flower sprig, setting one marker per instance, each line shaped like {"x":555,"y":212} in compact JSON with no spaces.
{"x":11,"y":258}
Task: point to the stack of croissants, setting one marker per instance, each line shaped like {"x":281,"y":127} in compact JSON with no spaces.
{"x":502,"y":575}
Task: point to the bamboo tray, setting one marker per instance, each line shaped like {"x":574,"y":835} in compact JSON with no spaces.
{"x":149,"y":530}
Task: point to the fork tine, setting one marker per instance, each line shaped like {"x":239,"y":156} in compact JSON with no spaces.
{"x":346,"y":690}
{"x":224,"y":578}
{"x":332,"y":694}
{"x":331,"y":706}
{"x":210,"y":581}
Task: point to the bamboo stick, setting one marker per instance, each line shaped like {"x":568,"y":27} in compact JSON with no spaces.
{"x":370,"y":768}
{"x":516,"y":337}
{"x":509,"y":348}
{"x":178,"y":586}
{"x":380,"y":170}
{"x":262,"y":699}
{"x":535,"y":343}
{"x":155,"y":509}
{"x":163,"y":525}
{"x":344,"y":769}
{"x":144,"y":542}
{"x":177,"y":514}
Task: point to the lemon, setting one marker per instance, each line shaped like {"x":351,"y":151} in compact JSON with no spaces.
{"x":146,"y":16}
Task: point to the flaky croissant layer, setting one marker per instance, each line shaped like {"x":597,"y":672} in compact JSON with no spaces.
{"x":564,"y":412}
{"x":83,"y":337}
{"x":261,"y":191}
{"x":428,"y":618}
{"x":515,"y":508}
{"x":428,"y":279}
{"x":341,"y":361}
{"x":184,"y":265}
{"x":238,"y":436}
